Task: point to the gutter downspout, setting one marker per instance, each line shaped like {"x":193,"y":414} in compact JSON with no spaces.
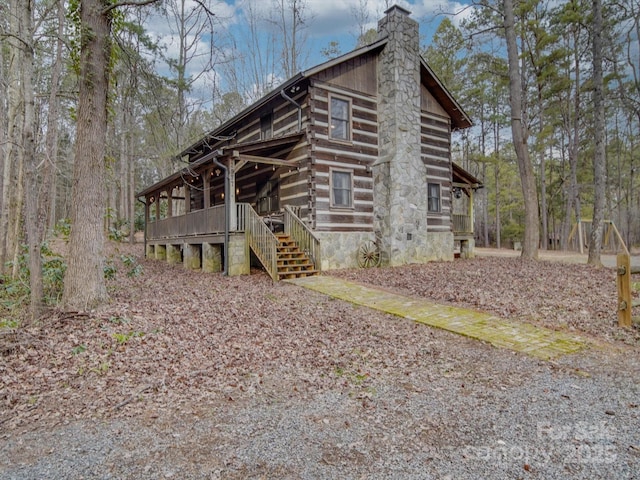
{"x":295,"y":104}
{"x":145,"y":225}
{"x":227,"y":210}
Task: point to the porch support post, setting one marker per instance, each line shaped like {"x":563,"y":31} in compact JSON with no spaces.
{"x":470,"y":210}
{"x":192,"y":257}
{"x":211,"y":258}
{"x":160,"y":252}
{"x":233,"y":217}
{"x":173,"y":254}
{"x":169,"y":202}
{"x":157,"y":205}
{"x":187,"y":198}
{"x":206,"y":187}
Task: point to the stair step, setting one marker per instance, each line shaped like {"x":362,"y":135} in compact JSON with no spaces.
{"x":291,"y":261}
{"x":306,"y":273}
{"x":291,"y":255}
{"x":295,"y":268}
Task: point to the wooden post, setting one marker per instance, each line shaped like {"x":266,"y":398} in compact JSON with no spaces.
{"x":624,"y":289}
{"x":206,"y":188}
{"x":580,"y":240}
{"x":231,"y":172}
{"x":157,"y":195}
{"x":170,"y":202}
{"x":470,"y":210}
{"x":187,"y":198}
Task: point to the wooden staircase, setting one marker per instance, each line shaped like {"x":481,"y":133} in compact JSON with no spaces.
{"x":291,"y":261}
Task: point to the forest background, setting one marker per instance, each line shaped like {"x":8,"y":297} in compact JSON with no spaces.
{"x":176,"y":69}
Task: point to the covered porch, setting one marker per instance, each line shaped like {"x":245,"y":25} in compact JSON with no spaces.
{"x":225,"y":205}
{"x":463,"y":186}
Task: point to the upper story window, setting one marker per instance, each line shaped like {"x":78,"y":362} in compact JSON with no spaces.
{"x":433,"y":198}
{"x":266,"y":126}
{"x":341,"y":189}
{"x":340,"y":119}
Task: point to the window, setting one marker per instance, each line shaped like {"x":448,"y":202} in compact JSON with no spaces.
{"x":433,"y":197}
{"x":340,"y":121}
{"x":266,"y":126}
{"x":341,"y":189}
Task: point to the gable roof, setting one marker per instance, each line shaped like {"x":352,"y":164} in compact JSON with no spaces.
{"x":459,"y":119}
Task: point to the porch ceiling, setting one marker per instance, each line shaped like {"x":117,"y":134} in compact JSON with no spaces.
{"x":460,"y":175}
{"x":272,"y":152}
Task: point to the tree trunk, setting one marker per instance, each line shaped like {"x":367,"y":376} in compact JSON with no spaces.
{"x":599,"y":171}
{"x":11,"y":213}
{"x":48,"y":197}
{"x":31,"y":165}
{"x":532,"y":220}
{"x":84,"y":285}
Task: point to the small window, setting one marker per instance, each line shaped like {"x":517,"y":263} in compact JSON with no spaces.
{"x":340,"y":124}
{"x":341,"y":189}
{"x":433,"y":194}
{"x":266,"y":126}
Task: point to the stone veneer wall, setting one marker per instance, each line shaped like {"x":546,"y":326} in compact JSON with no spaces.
{"x":239,"y":258}
{"x":400,"y":176}
{"x":339,"y":249}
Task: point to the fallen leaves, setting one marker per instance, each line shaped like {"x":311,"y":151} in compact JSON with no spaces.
{"x":172,"y":336}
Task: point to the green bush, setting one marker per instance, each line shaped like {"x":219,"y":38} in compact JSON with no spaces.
{"x":15,"y":292}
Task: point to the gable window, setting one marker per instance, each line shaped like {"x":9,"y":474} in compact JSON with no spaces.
{"x":433,"y":197}
{"x":340,"y":119}
{"x":341,"y":189}
{"x":266,"y":126}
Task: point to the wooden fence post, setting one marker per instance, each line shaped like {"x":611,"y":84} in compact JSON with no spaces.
{"x":624,"y":289}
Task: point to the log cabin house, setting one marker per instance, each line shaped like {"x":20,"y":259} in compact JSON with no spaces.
{"x":345,"y":164}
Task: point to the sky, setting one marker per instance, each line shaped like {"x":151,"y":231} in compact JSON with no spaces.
{"x":327,"y":21}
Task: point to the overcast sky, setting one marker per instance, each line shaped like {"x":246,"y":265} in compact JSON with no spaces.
{"x":327,"y":20}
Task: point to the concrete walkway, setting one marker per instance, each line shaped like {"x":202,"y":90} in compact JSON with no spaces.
{"x":520,"y":337}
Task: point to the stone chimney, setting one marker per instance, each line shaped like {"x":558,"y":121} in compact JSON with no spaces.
{"x":400,"y":193}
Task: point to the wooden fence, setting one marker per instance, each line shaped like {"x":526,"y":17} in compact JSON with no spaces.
{"x":626,"y":302}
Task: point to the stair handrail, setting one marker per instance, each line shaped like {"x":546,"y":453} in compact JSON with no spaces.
{"x":262,"y":241}
{"x":302,"y":234}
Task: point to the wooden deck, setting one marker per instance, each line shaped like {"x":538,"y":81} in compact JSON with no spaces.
{"x":292,"y":254}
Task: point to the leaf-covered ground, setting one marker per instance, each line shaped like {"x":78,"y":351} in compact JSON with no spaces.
{"x":572,"y":297}
{"x":172,"y":338}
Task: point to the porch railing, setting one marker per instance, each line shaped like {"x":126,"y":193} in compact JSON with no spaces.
{"x":261,"y":240}
{"x":303,"y":236}
{"x":200,"y":222}
{"x":462,"y":224}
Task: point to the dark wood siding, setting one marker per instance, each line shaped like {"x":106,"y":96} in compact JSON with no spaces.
{"x":435,"y":149}
{"x":358,"y":74}
{"x":284,"y":115}
{"x":356,"y":156}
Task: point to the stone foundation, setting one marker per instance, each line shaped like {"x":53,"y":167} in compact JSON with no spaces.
{"x":211,"y":258}
{"x":339,"y":250}
{"x":174,"y":255}
{"x":192,"y":256}
{"x":160,"y":252}
{"x":239,"y":258}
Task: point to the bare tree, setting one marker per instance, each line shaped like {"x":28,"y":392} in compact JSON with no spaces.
{"x":290,"y":18}
{"x":599,"y":171}
{"x":519,"y":134}
{"x":47,"y":207}
{"x":192,"y":25}
{"x":33,"y":223}
{"x":12,"y":174}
